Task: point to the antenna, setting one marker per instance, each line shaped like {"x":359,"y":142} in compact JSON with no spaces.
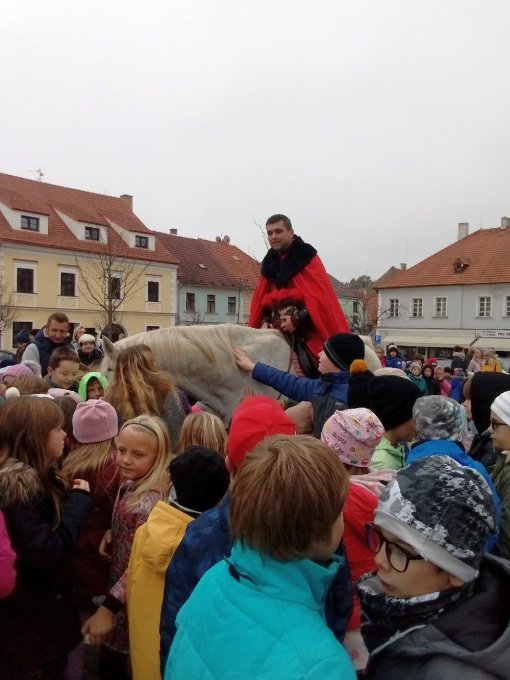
{"x":40,"y":173}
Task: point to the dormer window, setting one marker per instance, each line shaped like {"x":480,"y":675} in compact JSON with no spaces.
{"x":92,"y":233}
{"x":202,"y":266}
{"x":30,"y":223}
{"x":141,"y":241}
{"x":459,"y":266}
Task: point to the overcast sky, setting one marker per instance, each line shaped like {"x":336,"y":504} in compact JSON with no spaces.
{"x":375,"y":125}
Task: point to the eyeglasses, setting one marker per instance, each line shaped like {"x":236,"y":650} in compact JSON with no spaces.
{"x":495,"y":424}
{"x":397,"y":556}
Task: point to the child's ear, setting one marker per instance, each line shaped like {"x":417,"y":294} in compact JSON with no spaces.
{"x":50,"y":370}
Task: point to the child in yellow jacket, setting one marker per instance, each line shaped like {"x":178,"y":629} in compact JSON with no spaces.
{"x":199,"y":481}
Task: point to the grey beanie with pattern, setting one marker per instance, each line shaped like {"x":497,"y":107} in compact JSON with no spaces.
{"x":444,"y":510}
{"x":439,"y":418}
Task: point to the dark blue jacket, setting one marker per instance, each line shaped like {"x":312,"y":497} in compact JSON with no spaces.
{"x":445,"y":447}
{"x":334,"y":385}
{"x":45,"y":347}
{"x":395,"y":362}
{"x":206,"y":542}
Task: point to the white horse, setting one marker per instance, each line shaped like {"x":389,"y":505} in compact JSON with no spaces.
{"x":201,"y":362}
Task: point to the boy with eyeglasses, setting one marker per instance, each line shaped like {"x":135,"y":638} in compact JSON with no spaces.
{"x":437,"y":608}
{"x":500,"y":434}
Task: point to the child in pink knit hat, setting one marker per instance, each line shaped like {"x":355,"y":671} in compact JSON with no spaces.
{"x":10,"y":373}
{"x":353,"y":435}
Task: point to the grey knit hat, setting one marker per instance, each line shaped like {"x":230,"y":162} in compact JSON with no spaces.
{"x":439,"y":418}
{"x":444,"y":510}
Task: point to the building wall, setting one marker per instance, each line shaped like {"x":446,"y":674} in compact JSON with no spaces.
{"x":135,"y":314}
{"x":200,"y":314}
{"x":462,"y":308}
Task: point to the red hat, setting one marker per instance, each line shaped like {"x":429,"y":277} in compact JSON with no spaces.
{"x":253,"y":420}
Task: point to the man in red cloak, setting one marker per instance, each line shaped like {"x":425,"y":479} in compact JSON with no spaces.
{"x":294,"y":292}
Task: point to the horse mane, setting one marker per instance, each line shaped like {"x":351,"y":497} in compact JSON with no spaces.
{"x":176,"y":343}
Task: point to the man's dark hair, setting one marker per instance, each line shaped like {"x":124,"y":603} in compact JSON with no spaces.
{"x":280,"y":218}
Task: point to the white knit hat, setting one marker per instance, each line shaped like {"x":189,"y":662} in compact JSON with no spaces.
{"x":501,"y":407}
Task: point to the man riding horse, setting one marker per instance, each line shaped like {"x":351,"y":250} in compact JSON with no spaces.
{"x":295,"y":294}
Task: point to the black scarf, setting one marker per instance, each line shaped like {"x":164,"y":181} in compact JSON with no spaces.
{"x":280,"y":271}
{"x":384,"y":616}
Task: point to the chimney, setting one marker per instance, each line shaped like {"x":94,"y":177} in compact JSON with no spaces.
{"x":403,"y":266}
{"x":128,"y":200}
{"x":505,"y":222}
{"x":463,"y":230}
{"x":226,"y":240}
{"x":173,"y":231}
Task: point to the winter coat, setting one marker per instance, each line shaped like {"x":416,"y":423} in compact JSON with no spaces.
{"x":444,"y":387}
{"x":335,"y":385}
{"x":153,"y":548}
{"x":420,"y":383}
{"x":125,"y":522}
{"x":482,"y":449}
{"x":87,"y":359}
{"x":395,"y":362}
{"x":445,"y":447}
{"x":468,"y":641}
{"x":387,"y":456}
{"x":432,"y":386}
{"x":458,"y":359}
{"x":206,"y":542}
{"x":501,"y":477}
{"x":40,"y":619}
{"x":474,"y":366}
{"x":7,"y":559}
{"x":457,"y":389}
{"x":275,"y":607}
{"x":41,"y":349}
{"x":91,"y":571}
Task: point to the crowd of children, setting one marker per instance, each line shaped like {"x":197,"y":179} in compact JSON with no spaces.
{"x":152,"y":542}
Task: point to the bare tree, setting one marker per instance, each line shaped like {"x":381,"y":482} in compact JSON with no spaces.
{"x":108,"y":280}
{"x":8,"y":310}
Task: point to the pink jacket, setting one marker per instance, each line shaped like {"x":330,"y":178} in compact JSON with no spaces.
{"x":7,"y":559}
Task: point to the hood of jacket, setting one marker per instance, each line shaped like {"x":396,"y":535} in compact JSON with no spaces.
{"x":476,"y":632}
{"x":18,"y":483}
{"x":82,"y":389}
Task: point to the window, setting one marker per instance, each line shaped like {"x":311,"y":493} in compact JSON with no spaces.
{"x":115,"y":292}
{"x":231,"y":309}
{"x":141,"y":241}
{"x":440,"y":309}
{"x":506,"y":311}
{"x":211,"y":304}
{"x":152,"y":291}
{"x":416,"y":307}
{"x":67,"y":284}
{"x":355,"y":319}
{"x":18,"y":326}
{"x":31,"y":223}
{"x":190,"y":302}
{"x":355,"y":306}
{"x":484,"y":306}
{"x":394,"y":307}
{"x":92,"y":233}
{"x":24,"y":280}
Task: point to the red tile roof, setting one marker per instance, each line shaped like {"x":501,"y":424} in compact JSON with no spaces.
{"x":223,"y":265}
{"x":485,"y":254}
{"x":342,"y":289}
{"x":19,"y":193}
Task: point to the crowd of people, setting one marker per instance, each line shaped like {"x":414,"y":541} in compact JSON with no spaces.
{"x":363,"y":532}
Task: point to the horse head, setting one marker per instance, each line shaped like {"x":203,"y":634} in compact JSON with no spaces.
{"x":107,"y":365}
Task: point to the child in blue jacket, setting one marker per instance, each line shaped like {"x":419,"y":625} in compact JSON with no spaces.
{"x":286,"y":521}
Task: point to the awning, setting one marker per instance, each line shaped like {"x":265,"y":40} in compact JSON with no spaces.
{"x":499,"y":344}
{"x":433,"y":340}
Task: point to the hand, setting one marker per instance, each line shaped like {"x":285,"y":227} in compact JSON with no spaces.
{"x":81,"y":484}
{"x":105,"y":547}
{"x":95,"y":629}
{"x":243,"y":360}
